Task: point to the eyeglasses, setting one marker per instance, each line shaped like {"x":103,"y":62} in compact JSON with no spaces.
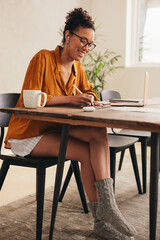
{"x":84,"y":42}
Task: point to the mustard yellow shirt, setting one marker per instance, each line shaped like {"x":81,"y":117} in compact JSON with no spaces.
{"x":44,"y":73}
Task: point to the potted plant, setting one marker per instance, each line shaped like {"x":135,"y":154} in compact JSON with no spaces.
{"x":98,"y":65}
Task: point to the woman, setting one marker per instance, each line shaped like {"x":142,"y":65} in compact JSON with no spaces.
{"x":55,"y":72}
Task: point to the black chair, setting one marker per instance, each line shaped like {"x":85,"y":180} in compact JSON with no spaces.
{"x":119,"y":144}
{"x":143,"y":137}
{"x":40,"y":164}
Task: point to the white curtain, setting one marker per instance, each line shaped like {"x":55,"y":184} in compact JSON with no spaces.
{"x":144,"y":4}
{"x":153,"y":3}
{"x":142,"y":18}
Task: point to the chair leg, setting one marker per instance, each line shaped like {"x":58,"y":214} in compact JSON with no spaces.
{"x":121,"y":160}
{"x":66,"y":182}
{"x":135,"y":167}
{"x":79,"y":185}
{"x":40,"y":175}
{"x":3,"y":172}
{"x":144,"y":163}
{"x":113,"y":165}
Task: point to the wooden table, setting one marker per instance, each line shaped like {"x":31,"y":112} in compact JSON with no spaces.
{"x":101,"y":118}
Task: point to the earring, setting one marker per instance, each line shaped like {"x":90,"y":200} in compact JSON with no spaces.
{"x":68,"y":39}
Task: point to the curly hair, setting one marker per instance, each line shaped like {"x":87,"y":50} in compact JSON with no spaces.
{"x":77,"y":18}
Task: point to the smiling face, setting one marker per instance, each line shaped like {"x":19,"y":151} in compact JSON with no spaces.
{"x":76,"y":44}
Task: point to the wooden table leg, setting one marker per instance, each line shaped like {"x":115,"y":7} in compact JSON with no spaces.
{"x":159,"y":152}
{"x":154,"y":175}
{"x":59,"y":173}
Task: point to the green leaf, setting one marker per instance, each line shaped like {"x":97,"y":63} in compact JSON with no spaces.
{"x":98,"y":65}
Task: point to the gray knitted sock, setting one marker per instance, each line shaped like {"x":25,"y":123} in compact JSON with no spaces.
{"x":103,"y":229}
{"x":108,"y":211}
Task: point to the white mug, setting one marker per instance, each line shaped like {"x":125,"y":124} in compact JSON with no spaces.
{"x":32,"y":98}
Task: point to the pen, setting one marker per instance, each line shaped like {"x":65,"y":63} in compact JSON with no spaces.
{"x":81,"y":92}
{"x":77,"y":89}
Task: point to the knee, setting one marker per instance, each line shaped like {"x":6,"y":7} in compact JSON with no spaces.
{"x":100,"y":135}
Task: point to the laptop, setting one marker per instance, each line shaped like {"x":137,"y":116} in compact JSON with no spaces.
{"x":133,"y":102}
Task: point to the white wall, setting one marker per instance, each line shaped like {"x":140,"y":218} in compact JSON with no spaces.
{"x":26,"y":27}
{"x":30,"y":25}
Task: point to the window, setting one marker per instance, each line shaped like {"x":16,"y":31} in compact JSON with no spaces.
{"x":143,"y":32}
{"x":149,"y":31}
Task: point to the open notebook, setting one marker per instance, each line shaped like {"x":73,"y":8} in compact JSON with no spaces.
{"x":133,"y":102}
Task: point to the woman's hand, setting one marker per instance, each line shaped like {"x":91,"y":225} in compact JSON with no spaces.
{"x":82,"y":100}
{"x":96,"y":103}
{"x":79,"y":100}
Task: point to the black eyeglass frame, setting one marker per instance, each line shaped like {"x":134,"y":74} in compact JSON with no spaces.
{"x":91,"y":46}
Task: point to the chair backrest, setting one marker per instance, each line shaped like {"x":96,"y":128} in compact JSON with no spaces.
{"x":7,"y":100}
{"x":109,"y":94}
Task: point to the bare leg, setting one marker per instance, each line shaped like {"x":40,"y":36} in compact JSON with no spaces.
{"x":86,"y":145}
{"x":98,"y":147}
{"x":49,"y":146}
